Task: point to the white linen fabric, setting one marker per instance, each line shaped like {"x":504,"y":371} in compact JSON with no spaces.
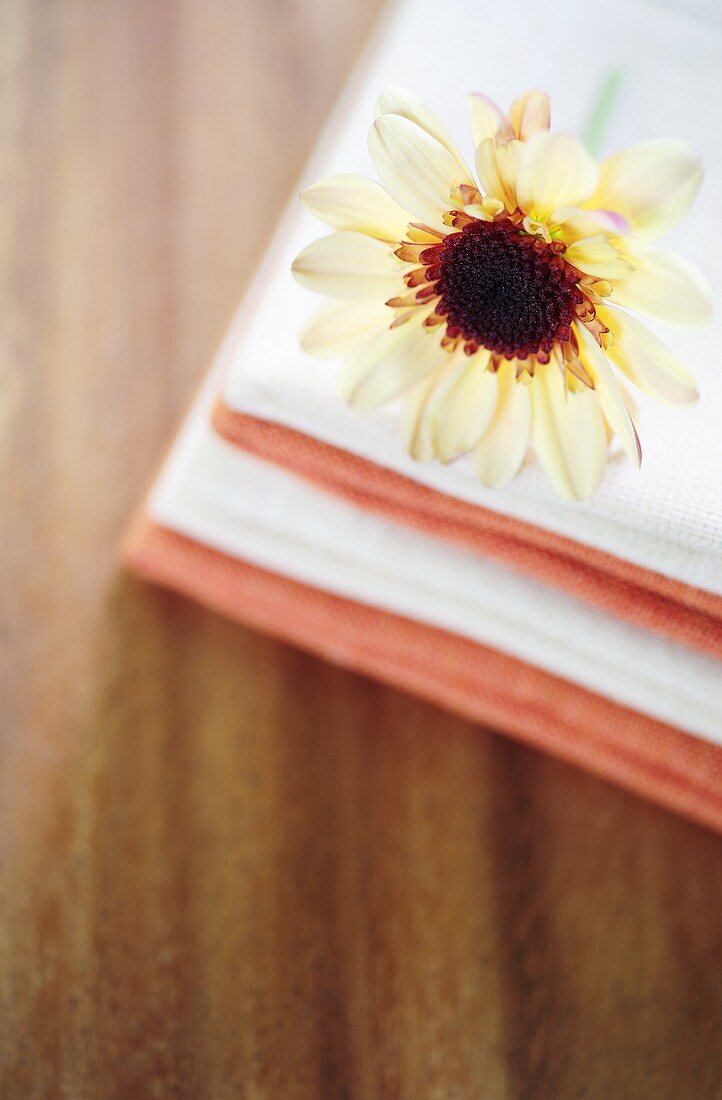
{"x":666,"y":517}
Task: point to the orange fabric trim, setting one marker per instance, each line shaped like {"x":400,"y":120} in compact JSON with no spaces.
{"x":676,"y":770}
{"x":650,"y":600}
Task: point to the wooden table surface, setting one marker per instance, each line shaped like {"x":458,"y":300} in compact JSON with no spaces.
{"x":226,"y":869}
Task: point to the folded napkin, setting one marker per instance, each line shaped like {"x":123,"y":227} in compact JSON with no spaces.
{"x":592,"y":630}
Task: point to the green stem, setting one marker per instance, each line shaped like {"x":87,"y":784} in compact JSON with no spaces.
{"x":601,"y":112}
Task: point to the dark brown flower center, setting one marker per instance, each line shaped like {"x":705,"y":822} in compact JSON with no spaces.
{"x":505,"y":290}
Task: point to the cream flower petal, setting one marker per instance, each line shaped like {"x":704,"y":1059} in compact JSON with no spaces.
{"x":462,"y":407}
{"x":388,"y":365}
{"x":486,"y":210}
{"x":348,"y":265}
{"x":414,"y":423}
{"x":568,"y":434}
{"x":336,"y":328}
{"x":497,"y":167}
{"x":632,"y":407}
{"x":572,"y":224}
{"x":487,"y":121}
{"x":666,"y":286}
{"x":501,"y":451}
{"x":554,"y":170}
{"x":415,"y":168}
{"x":358,"y":204}
{"x":652,"y":185}
{"x":646,"y":361}
{"x":529,"y":113}
{"x":598,"y":256}
{"x":611,"y":400}
{"x":396,"y":100}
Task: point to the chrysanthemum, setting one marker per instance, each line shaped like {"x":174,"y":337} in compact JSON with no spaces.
{"x":498,"y":308}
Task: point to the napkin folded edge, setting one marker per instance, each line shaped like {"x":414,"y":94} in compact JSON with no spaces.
{"x":651,"y":600}
{"x":673,"y":769}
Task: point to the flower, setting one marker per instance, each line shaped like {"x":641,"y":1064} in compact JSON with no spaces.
{"x":498,"y":308}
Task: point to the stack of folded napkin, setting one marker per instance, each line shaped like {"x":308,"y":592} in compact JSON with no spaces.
{"x":592,"y":630}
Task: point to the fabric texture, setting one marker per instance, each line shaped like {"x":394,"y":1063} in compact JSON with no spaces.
{"x":651,"y":600}
{"x":256,"y":512}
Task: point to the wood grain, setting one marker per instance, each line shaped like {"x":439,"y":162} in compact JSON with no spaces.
{"x":226,"y":869}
